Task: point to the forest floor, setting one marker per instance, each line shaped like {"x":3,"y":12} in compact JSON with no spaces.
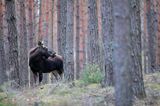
{"x":76,"y":94}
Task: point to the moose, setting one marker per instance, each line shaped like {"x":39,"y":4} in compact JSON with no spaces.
{"x":41,"y":60}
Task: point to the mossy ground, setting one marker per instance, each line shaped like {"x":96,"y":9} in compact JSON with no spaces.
{"x":77,"y":94}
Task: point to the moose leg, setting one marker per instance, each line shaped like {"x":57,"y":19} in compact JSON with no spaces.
{"x":55,"y":74}
{"x":35,"y":77}
{"x":60,"y":72}
{"x":40,"y":77}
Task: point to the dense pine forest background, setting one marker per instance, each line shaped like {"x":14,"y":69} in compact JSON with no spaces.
{"x":110,"y":50}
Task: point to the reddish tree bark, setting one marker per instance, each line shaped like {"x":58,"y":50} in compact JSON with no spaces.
{"x":30,"y":32}
{"x":77,"y":38}
{"x":83,"y":33}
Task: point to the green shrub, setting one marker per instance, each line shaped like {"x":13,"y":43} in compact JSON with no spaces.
{"x":91,"y":74}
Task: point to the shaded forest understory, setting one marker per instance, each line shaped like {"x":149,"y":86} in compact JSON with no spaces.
{"x":76,"y":94}
{"x":107,"y":50}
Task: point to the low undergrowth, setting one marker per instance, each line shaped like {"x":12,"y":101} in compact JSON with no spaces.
{"x":76,"y":93}
{"x":91,"y":74}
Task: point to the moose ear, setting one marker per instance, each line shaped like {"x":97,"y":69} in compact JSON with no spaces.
{"x":40,"y":43}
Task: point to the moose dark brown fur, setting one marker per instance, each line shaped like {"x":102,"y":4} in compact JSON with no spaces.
{"x":55,"y":62}
{"x":43,"y":61}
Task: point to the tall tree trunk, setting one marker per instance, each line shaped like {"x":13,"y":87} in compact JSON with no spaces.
{"x":143,"y":35}
{"x":30,"y":33}
{"x":158,"y":36}
{"x":40,"y":31}
{"x":13,"y":44}
{"x":46,"y":21}
{"x":69,"y":41}
{"x":151,"y":28}
{"x":23,"y":48}
{"x":101,"y":43}
{"x":107,"y":36}
{"x":50,"y":23}
{"x":61,"y":30}
{"x":136,"y":70}
{"x":55,"y":25}
{"x":35,"y":10}
{"x":93,"y":38}
{"x":3,"y":76}
{"x":77,"y":39}
{"x":5,"y":37}
{"x":43,"y":15}
{"x":121,"y":54}
{"x":62,"y":19}
{"x":30,"y":23}
{"x":83,"y":33}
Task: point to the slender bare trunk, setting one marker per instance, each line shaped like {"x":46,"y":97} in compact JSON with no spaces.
{"x":93,"y":50}
{"x":69,"y":55}
{"x":3,"y":76}
{"x":107,"y":36}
